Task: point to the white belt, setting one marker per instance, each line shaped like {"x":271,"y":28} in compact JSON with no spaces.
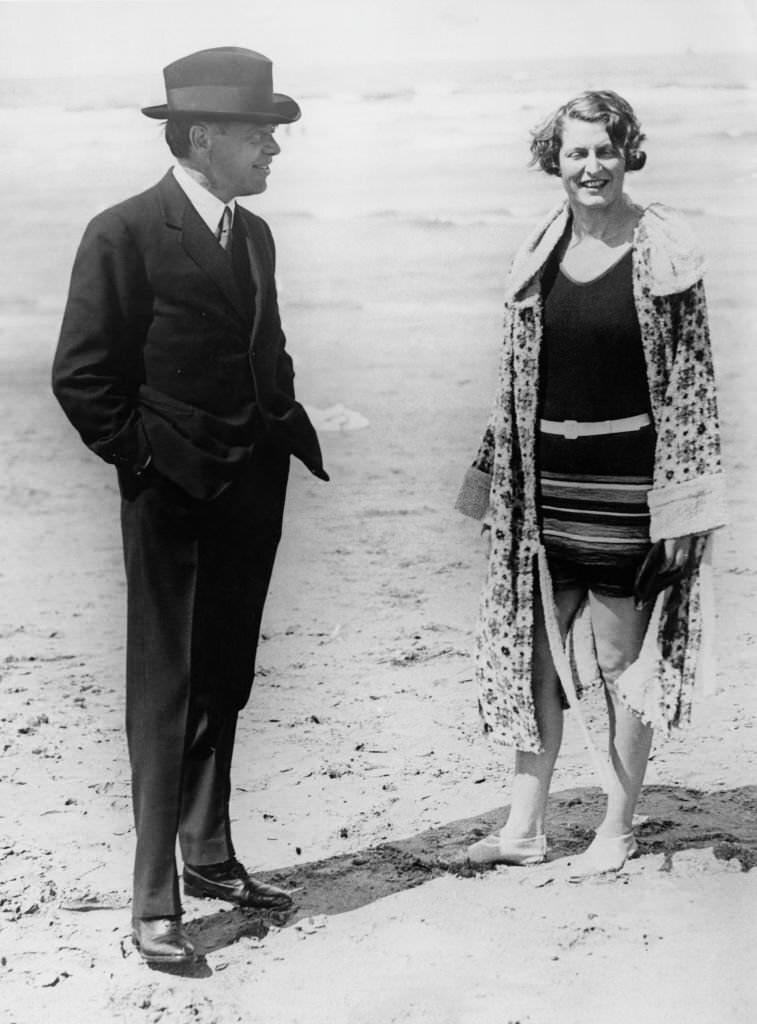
{"x":571,"y":429}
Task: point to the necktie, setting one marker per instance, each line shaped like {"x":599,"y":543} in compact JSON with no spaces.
{"x":223,"y":231}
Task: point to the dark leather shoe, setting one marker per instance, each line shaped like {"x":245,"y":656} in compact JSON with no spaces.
{"x":230,"y":881}
{"x":162,"y":940}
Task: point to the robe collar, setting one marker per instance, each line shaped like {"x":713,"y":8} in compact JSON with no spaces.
{"x":662,"y":240}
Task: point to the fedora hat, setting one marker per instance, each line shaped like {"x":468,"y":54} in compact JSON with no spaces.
{"x":227,"y":83}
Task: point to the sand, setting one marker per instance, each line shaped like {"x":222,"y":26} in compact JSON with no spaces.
{"x":360,"y":771}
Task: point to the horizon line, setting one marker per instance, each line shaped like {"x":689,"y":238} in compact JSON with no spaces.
{"x":472,"y":59}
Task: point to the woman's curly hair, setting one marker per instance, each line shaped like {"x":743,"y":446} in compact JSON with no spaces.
{"x":623,"y":129}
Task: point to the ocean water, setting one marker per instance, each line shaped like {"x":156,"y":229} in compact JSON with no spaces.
{"x":401,"y":184}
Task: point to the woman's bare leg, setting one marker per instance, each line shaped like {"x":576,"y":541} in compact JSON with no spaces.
{"x":619,"y":633}
{"x":533,"y":772}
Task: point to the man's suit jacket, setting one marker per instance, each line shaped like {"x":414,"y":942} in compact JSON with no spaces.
{"x":157,"y":359}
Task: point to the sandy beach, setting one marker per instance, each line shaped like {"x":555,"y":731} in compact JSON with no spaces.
{"x":360,"y":770}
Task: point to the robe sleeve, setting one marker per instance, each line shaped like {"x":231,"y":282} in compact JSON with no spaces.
{"x":473,"y":498}
{"x":689,"y":493}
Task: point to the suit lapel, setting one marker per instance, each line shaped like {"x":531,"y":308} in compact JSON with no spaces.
{"x":258,"y":269}
{"x":198,"y":241}
{"x":255,"y":270}
{"x":204,"y":249}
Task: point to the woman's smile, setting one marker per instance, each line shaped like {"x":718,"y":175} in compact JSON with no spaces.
{"x":591,"y":168}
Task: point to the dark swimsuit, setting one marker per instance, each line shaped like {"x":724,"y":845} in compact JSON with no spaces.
{"x":593,"y":490}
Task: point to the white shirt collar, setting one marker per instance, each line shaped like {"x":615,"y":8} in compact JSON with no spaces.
{"x":209,"y":207}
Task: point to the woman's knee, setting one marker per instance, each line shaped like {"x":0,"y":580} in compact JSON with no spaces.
{"x":619,"y":631}
{"x":615,"y":653}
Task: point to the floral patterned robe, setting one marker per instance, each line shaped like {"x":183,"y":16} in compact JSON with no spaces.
{"x":687,"y":496}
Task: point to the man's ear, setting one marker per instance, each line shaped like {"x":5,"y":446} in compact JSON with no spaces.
{"x":199,"y":138}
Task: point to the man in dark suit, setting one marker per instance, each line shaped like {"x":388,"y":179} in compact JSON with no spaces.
{"x":171,"y":365}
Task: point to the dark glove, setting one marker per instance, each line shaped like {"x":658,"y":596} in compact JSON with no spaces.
{"x":654,"y":575}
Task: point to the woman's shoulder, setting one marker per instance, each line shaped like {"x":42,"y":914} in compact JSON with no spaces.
{"x":668,"y":248}
{"x":533,"y":253}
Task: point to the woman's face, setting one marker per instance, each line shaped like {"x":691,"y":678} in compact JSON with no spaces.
{"x":591,"y":168}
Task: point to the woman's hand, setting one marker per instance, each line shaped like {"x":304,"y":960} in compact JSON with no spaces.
{"x":677,"y":550}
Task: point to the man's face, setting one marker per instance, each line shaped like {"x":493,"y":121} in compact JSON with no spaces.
{"x":237,"y":158}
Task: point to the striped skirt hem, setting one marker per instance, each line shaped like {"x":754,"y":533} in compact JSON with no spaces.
{"x":595,"y":519}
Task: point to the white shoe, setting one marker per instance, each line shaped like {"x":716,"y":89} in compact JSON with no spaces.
{"x":606,"y":853}
{"x":499,"y":849}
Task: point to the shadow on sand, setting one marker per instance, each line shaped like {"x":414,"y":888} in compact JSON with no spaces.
{"x":675,"y":819}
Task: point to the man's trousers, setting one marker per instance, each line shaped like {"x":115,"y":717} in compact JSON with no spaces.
{"x":197,"y":576}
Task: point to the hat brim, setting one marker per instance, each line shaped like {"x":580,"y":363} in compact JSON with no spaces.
{"x":283,"y":110}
